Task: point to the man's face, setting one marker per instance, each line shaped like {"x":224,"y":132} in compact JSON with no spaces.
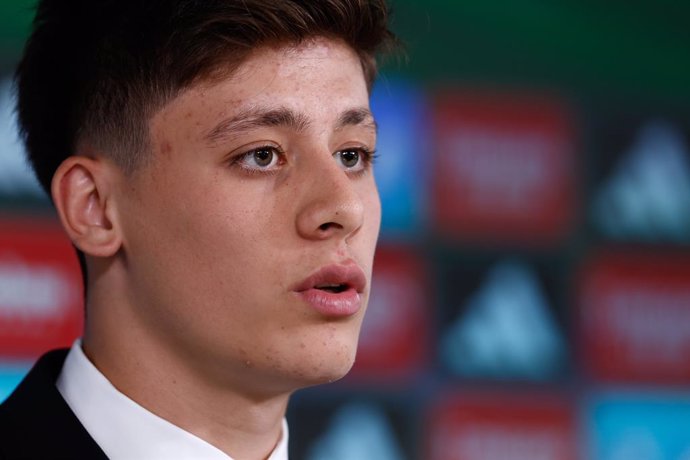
{"x":249,"y":238}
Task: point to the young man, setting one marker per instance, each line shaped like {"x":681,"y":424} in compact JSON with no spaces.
{"x":211,"y":162}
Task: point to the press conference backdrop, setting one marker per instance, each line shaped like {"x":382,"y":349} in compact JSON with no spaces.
{"x":531,"y":296}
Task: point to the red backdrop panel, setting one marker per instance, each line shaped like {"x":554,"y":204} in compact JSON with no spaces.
{"x":394,"y":335}
{"x":635,"y":316}
{"x":504,"y":167}
{"x":40,"y":288}
{"x":502,"y":425}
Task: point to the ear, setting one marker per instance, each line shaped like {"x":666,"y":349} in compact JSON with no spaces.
{"x":82,"y":194}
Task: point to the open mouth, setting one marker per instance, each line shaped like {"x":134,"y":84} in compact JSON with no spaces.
{"x":333,"y":288}
{"x":334,"y":279}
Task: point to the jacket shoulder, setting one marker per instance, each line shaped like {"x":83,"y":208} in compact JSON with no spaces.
{"x":36,"y":422}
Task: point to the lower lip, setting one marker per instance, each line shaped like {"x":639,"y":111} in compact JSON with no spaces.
{"x":332,"y":304}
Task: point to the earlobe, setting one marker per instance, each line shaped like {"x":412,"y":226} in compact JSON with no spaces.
{"x":82,"y":196}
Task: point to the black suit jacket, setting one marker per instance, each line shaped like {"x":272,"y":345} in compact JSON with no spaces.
{"x":37,"y":424}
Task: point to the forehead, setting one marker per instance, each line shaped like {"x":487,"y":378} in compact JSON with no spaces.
{"x":318,"y":78}
{"x":320,"y":62}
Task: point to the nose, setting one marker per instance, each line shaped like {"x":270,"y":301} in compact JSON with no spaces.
{"x":331,"y":206}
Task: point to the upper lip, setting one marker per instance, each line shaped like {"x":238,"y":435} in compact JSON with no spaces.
{"x":349,"y":275}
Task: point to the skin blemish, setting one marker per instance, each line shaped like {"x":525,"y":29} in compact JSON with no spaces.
{"x":166,"y":148}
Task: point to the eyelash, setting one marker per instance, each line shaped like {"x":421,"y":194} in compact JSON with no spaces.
{"x":237,"y":160}
{"x":367,"y":157}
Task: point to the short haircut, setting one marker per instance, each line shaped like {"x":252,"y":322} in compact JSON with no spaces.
{"x":94,"y":71}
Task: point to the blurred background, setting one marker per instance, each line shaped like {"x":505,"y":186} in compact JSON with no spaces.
{"x":531,"y":297}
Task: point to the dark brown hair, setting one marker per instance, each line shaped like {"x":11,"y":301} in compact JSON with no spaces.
{"x":94,"y":71}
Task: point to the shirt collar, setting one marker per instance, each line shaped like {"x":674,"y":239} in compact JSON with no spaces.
{"x":123,"y":429}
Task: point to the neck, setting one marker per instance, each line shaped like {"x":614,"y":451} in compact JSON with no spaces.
{"x":243,"y":424}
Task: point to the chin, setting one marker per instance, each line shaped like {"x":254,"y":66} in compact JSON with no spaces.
{"x":309,"y":356}
{"x":325,"y":367}
{"x":334,"y":373}
{"x":322,"y":379}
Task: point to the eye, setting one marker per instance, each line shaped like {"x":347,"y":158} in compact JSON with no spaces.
{"x":354,"y":159}
{"x":265,"y":158}
{"x":349,"y":158}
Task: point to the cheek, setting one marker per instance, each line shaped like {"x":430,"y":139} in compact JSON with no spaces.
{"x":372,"y":214}
{"x":231,"y":244}
{"x":181,"y":229}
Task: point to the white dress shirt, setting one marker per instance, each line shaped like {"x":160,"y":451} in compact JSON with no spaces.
{"x":123,"y":429}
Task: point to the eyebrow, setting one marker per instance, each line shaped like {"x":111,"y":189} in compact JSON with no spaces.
{"x":260,"y":117}
{"x":358,"y":116}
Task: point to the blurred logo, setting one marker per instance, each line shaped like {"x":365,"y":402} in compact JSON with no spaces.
{"x":31,"y":291}
{"x":486,"y":426}
{"x":357,"y":431}
{"x":506,"y":330}
{"x":640,"y":427}
{"x":394,"y":334}
{"x":635,"y":311}
{"x":505,"y":168}
{"x":40,"y":289}
{"x":402,"y":167}
{"x":648,"y":195}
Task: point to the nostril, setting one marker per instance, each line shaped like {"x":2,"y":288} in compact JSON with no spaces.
{"x":323,"y":218}
{"x":329,"y":225}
